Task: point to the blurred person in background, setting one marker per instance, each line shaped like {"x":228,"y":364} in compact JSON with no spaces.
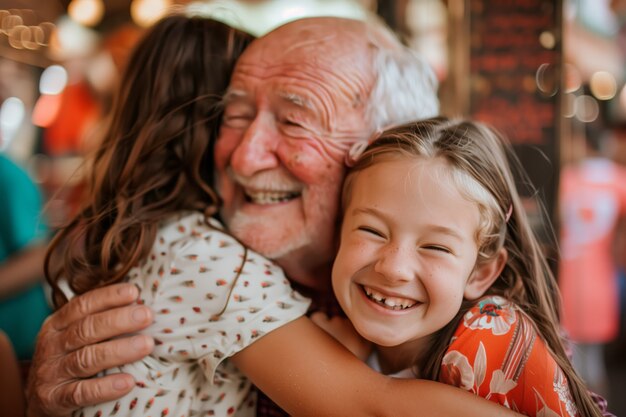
{"x":592,"y":201}
{"x":23,"y":240}
{"x":12,"y":401}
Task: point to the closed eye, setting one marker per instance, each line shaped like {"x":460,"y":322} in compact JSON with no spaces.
{"x":291,"y":123}
{"x":237,"y":120}
{"x":438,"y":248}
{"x":371,"y":230}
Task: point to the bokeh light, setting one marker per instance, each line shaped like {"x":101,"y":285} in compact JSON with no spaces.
{"x":86,"y":12}
{"x":146,"y":12}
{"x":11,"y":116}
{"x":547,"y":79}
{"x":569,"y":106}
{"x":53,"y":80}
{"x":586,"y":108}
{"x":571,"y":78}
{"x":546,"y":39}
{"x":603,"y":85}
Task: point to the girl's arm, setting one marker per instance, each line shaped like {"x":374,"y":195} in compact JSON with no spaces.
{"x":308,"y":373}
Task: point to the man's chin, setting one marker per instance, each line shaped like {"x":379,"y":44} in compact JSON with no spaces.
{"x":273,"y":237}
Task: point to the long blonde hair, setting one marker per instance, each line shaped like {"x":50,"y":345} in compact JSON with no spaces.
{"x":480,"y":160}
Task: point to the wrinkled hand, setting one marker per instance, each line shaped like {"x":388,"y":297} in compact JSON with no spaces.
{"x":341,"y":329}
{"x":74,"y":344}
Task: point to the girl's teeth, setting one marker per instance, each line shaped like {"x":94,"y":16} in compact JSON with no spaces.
{"x":393,"y":303}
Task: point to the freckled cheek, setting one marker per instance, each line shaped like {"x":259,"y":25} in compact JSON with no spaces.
{"x":451,"y":293}
{"x":358,"y":253}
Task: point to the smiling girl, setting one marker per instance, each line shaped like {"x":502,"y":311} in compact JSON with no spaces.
{"x":439,"y":268}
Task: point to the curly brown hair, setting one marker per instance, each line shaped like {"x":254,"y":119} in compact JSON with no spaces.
{"x":156,"y":157}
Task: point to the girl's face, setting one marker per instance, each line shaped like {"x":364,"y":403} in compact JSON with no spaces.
{"x":408,"y":248}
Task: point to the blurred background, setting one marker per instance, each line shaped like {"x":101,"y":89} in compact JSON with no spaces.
{"x":548,"y":73}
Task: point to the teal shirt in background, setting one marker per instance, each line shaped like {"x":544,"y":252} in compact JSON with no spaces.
{"x":21,"y":225}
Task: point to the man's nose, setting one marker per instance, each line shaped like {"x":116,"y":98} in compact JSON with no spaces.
{"x":257,"y":150}
{"x":396,"y":264}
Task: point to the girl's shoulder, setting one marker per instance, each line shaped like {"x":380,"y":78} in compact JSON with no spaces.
{"x":493,"y":314}
{"x":191,"y":247}
{"x":189,"y":223}
{"x":497,"y":353}
{"x":193,"y":231}
{"x":193,"y":237}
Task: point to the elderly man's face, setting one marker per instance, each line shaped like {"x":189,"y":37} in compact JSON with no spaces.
{"x":295,"y":105}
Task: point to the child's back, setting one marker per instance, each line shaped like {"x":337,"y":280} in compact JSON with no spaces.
{"x":211,"y":298}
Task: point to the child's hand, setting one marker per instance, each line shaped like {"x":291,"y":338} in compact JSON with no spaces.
{"x":341,"y":329}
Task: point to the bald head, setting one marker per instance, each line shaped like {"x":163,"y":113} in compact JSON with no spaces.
{"x":397,"y":86}
{"x":342,"y":37}
{"x":332,"y":53}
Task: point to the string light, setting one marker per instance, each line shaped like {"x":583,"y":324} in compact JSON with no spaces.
{"x":16,"y":25}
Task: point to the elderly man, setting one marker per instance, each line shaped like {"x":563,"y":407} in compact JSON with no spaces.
{"x":299,"y":99}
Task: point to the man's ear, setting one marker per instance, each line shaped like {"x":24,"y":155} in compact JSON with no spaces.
{"x":484,"y":275}
{"x":358,"y":147}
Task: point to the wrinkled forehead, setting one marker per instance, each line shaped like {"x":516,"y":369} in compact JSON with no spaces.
{"x":337,"y":44}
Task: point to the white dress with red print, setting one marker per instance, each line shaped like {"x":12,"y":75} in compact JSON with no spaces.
{"x":211,"y":298}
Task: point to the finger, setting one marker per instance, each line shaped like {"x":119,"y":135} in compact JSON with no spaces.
{"x":94,"y":301}
{"x":93,"y":391}
{"x":90,"y":360}
{"x":98,"y":327}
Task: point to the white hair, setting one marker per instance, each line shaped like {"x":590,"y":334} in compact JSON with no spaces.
{"x":405,"y":88}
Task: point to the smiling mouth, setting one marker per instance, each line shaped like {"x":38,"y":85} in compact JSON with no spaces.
{"x":391,"y":303}
{"x":263,"y":197}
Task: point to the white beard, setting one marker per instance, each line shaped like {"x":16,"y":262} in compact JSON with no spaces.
{"x":252,"y":231}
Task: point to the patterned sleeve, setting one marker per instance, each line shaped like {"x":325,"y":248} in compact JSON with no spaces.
{"x":260,"y":300}
{"x":497,"y":354}
{"x":216,"y":297}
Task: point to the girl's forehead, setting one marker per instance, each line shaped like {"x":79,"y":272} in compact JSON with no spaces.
{"x":414,"y":171}
{"x":414,"y":164}
{"x":411,"y":171}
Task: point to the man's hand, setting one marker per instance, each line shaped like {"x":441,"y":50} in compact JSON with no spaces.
{"x":74,"y":344}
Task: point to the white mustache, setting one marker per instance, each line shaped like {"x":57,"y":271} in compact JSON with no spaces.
{"x":268,"y":181}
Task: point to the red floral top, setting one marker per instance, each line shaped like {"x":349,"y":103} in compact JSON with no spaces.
{"x":497,"y":354}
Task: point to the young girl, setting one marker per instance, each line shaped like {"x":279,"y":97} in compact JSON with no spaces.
{"x":439,"y":268}
{"x":223,"y":313}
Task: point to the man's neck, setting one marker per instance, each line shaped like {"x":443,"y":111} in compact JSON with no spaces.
{"x":314,"y":278}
